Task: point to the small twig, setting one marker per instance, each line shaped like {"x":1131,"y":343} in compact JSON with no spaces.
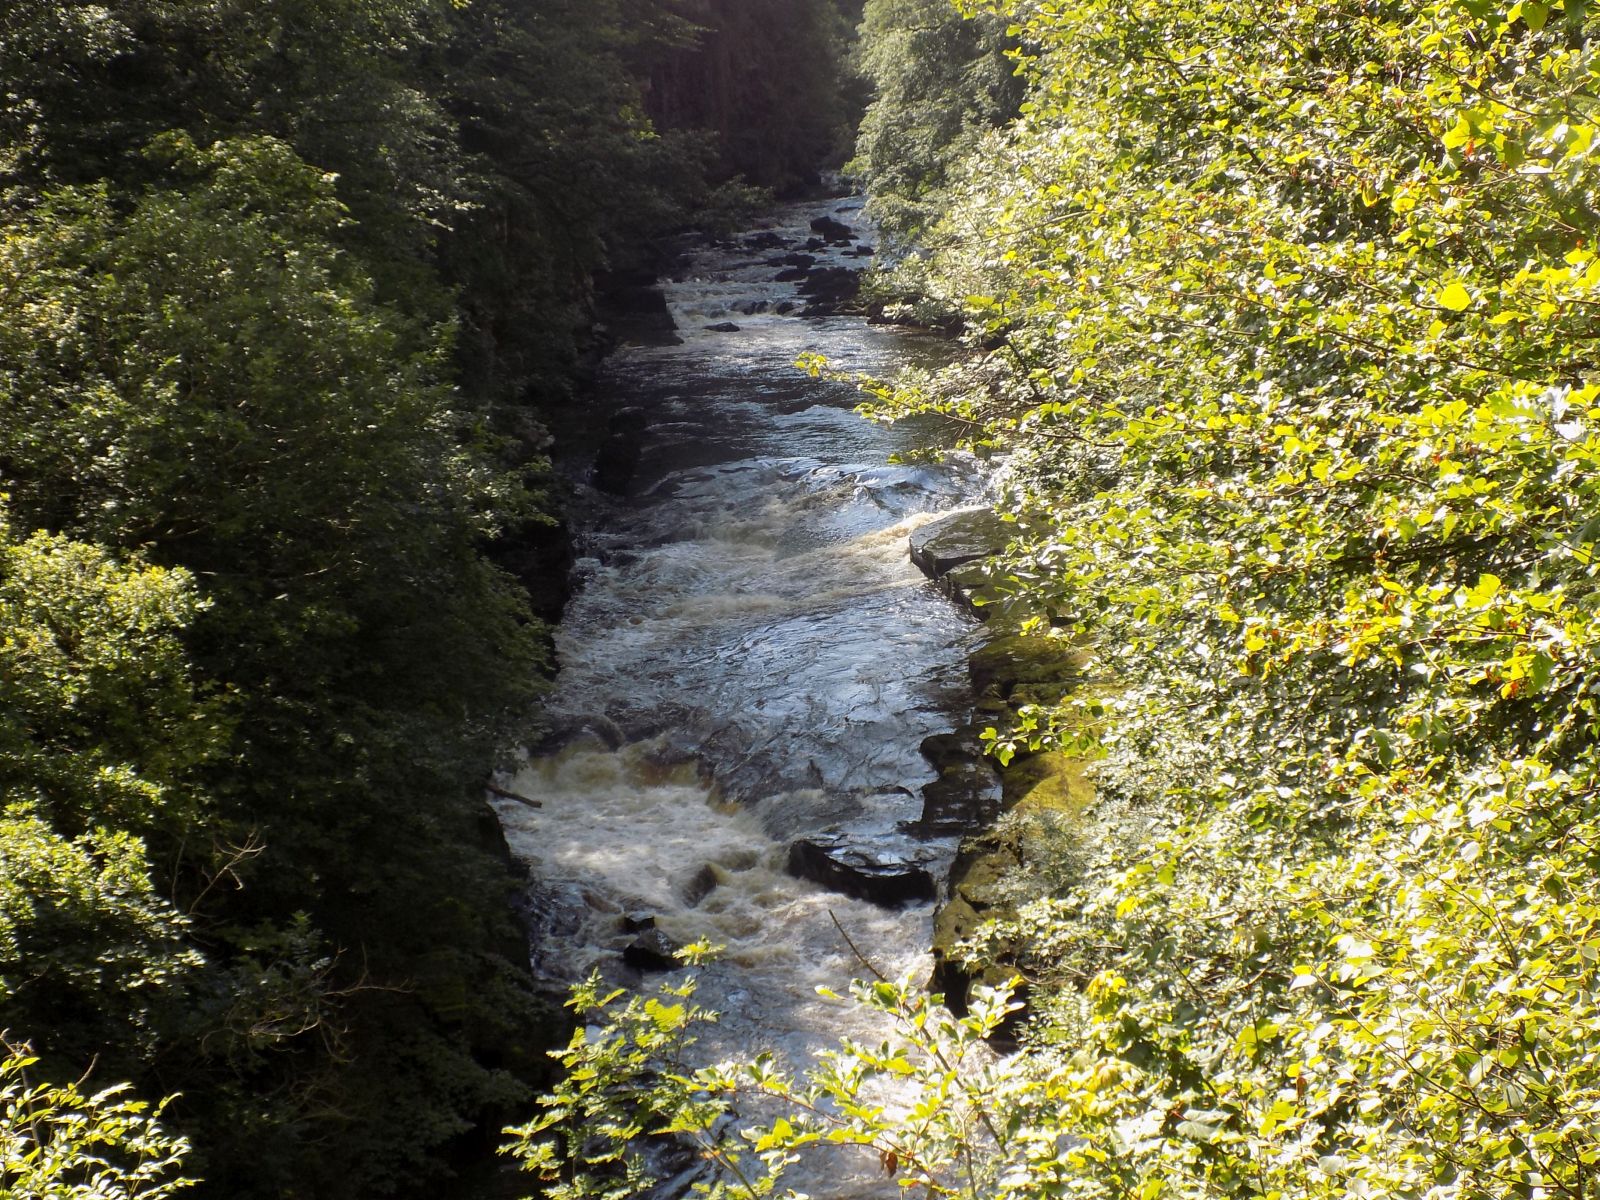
{"x":856,"y":950}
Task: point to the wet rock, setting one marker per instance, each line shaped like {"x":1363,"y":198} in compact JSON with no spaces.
{"x":973,"y":589}
{"x":564,"y":731}
{"x":961,"y":538}
{"x":815,"y":244}
{"x":765,"y":240}
{"x":1028,"y":669}
{"x":792,"y":275}
{"x":965,"y":797}
{"x":860,"y":871}
{"x":652,"y":950}
{"x":799,"y":260}
{"x":959,"y":746}
{"x":751,"y":307}
{"x":675,"y":749}
{"x":833,"y":231}
{"x":617,"y":461}
{"x":976,"y":894}
{"x":638,"y":313}
{"x":863,"y":251}
{"x":830,"y":290}
{"x":723,"y":327}
{"x":784,"y":307}
{"x":700,"y":885}
{"x":538,"y":555}
{"x":637,"y":922}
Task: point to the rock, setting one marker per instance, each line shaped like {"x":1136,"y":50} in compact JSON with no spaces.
{"x":792,"y":275}
{"x":830,"y":290}
{"x":966,"y":797}
{"x":751,"y":307}
{"x":765,"y":240}
{"x":815,"y":244}
{"x":652,"y":950}
{"x":700,"y":885}
{"x":798,"y":260}
{"x":833,"y":231}
{"x":637,"y":922}
{"x":1026,"y":668}
{"x":539,"y":555}
{"x":784,"y":307}
{"x":638,"y":313}
{"x":950,"y":749}
{"x":563,"y":731}
{"x":723,"y":327}
{"x":864,"y":251}
{"x":971,"y":587}
{"x":856,"y":871}
{"x":961,"y":538}
{"x":617,"y":460}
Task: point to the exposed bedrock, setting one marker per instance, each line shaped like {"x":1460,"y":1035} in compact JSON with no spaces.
{"x":837,"y":861}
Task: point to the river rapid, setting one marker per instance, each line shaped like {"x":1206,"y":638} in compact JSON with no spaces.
{"x":749,"y":659}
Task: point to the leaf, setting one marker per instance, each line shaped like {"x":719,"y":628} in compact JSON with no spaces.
{"x":1455,"y":297}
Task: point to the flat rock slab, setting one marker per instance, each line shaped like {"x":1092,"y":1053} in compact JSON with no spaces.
{"x":839,"y":863}
{"x":965,"y":797}
{"x":961,"y":538}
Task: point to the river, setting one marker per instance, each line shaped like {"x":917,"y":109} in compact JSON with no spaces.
{"x":749,"y":659}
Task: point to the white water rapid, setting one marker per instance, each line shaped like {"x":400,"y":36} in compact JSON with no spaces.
{"x":756,"y":661}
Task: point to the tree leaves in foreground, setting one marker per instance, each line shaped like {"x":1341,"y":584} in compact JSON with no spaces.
{"x":61,"y":1143}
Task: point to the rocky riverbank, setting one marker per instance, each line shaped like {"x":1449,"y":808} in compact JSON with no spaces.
{"x":991,"y":805}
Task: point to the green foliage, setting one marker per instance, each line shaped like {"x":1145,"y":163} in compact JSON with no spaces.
{"x":940,"y":82}
{"x":1286,"y":316}
{"x":766,"y":78}
{"x":101,"y":738}
{"x":57,"y":1142}
{"x":954,"y":1121}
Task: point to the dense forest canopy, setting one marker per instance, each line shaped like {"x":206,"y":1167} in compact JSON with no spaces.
{"x":1278,"y":323}
{"x":288,"y":290}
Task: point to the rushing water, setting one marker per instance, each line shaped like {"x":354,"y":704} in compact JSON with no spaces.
{"x":757,"y":661}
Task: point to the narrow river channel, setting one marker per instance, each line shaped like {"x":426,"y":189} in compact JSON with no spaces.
{"x":749,"y":660}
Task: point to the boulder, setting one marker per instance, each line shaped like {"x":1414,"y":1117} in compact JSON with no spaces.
{"x":961,"y":538}
{"x":722,"y":327}
{"x":830,"y":290}
{"x":563,"y":731}
{"x":792,"y":275}
{"x":836,"y":232}
{"x":965,"y":797}
{"x":700,"y":885}
{"x":857,"y":870}
{"x":652,"y":950}
{"x":638,"y":313}
{"x":1026,"y":668}
{"x":798,"y":260}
